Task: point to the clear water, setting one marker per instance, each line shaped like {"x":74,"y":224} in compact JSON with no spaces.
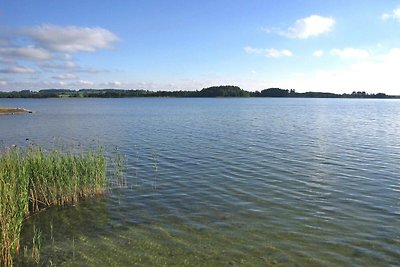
{"x":221,"y":182}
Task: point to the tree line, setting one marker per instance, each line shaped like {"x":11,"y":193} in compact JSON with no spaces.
{"x":214,"y":91}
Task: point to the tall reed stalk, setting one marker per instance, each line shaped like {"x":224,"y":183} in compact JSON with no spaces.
{"x":32,"y":179}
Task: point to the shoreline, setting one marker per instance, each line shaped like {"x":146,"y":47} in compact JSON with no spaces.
{"x":13,"y":111}
{"x":213,"y":91}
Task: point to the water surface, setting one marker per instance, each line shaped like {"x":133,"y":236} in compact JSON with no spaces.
{"x":242,"y":182}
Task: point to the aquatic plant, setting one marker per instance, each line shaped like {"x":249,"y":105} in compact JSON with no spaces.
{"x":36,"y":245}
{"x":13,"y":202}
{"x":58,"y":178}
{"x":119,"y":167}
{"x":32,"y":180}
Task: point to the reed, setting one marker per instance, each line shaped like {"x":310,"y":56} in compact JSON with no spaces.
{"x":32,"y":180}
{"x":36,"y":245}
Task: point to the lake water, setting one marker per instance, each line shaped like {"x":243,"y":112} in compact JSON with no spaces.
{"x":225,"y":182}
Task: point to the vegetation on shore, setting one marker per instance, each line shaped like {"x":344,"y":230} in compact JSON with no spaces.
{"x":33,"y":179}
{"x":215,"y":91}
{"x":8,"y":111}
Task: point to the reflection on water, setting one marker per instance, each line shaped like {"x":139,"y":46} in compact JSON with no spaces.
{"x":242,"y":182}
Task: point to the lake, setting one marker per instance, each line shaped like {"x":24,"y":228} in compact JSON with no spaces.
{"x":224,"y":182}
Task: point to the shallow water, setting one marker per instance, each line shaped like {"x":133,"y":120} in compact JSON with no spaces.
{"x":242,"y":182}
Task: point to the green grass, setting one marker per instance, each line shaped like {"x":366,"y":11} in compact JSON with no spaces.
{"x":32,"y":180}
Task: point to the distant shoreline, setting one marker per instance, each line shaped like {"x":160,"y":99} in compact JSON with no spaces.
{"x":215,"y":91}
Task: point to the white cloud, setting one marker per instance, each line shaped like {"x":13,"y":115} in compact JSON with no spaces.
{"x":114,"y":84}
{"x":17,"y":70}
{"x":68,"y":57}
{"x":69,"y":66}
{"x":268,"y":52}
{"x":31,"y":53}
{"x":71,"y":38}
{"x":85,"y":83}
{"x":67,"y":76}
{"x":305,"y":28}
{"x":51,"y":48}
{"x":394,"y":15}
{"x":373,"y":75}
{"x":91,"y":70}
{"x":350,"y":53}
{"x":318,"y":53}
{"x":58,"y":65}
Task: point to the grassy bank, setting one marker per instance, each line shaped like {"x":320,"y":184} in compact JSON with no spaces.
{"x":9,"y":111}
{"x":32,"y":180}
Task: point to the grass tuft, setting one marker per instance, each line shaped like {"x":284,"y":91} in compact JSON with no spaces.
{"x":32,"y":180}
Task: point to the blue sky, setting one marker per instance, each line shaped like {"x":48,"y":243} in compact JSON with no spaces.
{"x":336,"y":46}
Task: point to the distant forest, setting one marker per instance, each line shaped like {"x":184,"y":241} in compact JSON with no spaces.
{"x":215,"y":91}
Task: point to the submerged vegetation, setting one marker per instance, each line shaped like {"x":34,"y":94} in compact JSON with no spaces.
{"x":33,"y":179}
{"x":214,"y":91}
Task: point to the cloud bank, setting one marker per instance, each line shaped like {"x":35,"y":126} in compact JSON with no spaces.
{"x":17,"y":70}
{"x":27,"y":53}
{"x":373,"y":74}
{"x":48,"y":49}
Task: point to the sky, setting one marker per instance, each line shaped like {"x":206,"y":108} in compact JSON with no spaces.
{"x":328,"y":46}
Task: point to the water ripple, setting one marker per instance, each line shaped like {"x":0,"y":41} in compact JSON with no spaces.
{"x":245,"y":182}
